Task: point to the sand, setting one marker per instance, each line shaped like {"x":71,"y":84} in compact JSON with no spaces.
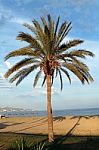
{"x":86,"y":125}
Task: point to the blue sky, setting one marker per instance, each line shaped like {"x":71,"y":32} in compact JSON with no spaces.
{"x":84,"y":15}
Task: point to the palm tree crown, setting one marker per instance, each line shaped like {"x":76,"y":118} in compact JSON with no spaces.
{"x":47,"y":52}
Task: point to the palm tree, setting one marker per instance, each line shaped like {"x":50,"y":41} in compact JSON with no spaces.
{"x":47,"y":53}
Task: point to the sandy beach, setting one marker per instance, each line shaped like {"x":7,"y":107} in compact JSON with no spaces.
{"x":86,"y":125}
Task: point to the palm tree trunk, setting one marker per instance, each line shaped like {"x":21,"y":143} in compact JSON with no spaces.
{"x":49,"y":110}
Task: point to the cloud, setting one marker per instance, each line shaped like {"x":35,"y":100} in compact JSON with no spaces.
{"x":77,"y":4}
{"x":6,"y":87}
{"x":29,"y":95}
{"x":74,"y":12}
{"x":38,"y":92}
{"x":2,"y":76}
{"x":7,"y":16}
{"x":23,"y":2}
{"x":43,"y":91}
{"x":3,"y":82}
{"x":4,"y":19}
{"x":80,"y":3}
{"x":19,"y":20}
{"x":3,"y":42}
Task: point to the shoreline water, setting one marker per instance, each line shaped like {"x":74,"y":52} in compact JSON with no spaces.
{"x":66,"y":112}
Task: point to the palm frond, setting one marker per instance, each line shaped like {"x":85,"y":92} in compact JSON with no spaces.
{"x":19,"y":65}
{"x":68,"y":28}
{"x":90,"y":77}
{"x":68,"y":55}
{"x":80,"y":64}
{"x":22,"y":72}
{"x":44,"y":80}
{"x":67,"y":74}
{"x":20,"y":52}
{"x":30,"y":27}
{"x":85,"y":73}
{"x":44,"y":21}
{"x":25,"y":51}
{"x":51,"y":27}
{"x":39,"y":30}
{"x":61,"y":81}
{"x":37,"y":77}
{"x":64,"y":31}
{"x":47,"y":32}
{"x":26,"y":73}
{"x":52,"y":77}
{"x":56,"y":27}
{"x":80,"y":72}
{"x":62,"y":28}
{"x":56,"y":72}
{"x":69,"y":44}
{"x":43,"y":37}
{"x":28,"y":38}
{"x":81,"y":53}
{"x":75,"y":70}
{"x":75,"y":61}
{"x":17,"y":75}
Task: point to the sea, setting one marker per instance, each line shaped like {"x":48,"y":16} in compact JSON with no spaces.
{"x":56,"y":113}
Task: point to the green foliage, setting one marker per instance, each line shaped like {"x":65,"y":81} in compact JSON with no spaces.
{"x":39,"y":146}
{"x":68,"y":143}
{"x":24,"y":144}
{"x":21,"y":144}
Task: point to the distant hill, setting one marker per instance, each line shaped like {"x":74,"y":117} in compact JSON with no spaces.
{"x":10,"y":109}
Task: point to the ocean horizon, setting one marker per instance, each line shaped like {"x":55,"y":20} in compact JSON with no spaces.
{"x":65,"y":112}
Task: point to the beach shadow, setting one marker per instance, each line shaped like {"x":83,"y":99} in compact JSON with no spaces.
{"x":78,"y":143}
{"x":38,"y":120}
{"x":94,"y":116}
{"x":14,"y":124}
{"x":5,"y":122}
{"x":59,"y":118}
{"x":2,"y":125}
{"x":38,"y":123}
{"x":86,"y":117}
{"x":60,"y":139}
{"x":79,"y":117}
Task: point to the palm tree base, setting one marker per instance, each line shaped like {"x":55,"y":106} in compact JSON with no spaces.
{"x":51,"y":137}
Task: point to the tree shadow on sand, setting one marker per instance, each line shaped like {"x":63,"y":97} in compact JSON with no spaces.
{"x":2,"y":125}
{"x":86,"y":117}
{"x":59,"y":118}
{"x":60,"y":139}
{"x":34,"y":124}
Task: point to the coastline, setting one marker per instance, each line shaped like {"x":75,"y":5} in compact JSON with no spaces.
{"x":19,"y":112}
{"x":68,"y":125}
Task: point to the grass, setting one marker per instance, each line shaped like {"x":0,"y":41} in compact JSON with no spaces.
{"x":7,"y":140}
{"x":77,"y":143}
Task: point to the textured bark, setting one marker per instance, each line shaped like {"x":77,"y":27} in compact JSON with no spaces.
{"x":49,"y":110}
